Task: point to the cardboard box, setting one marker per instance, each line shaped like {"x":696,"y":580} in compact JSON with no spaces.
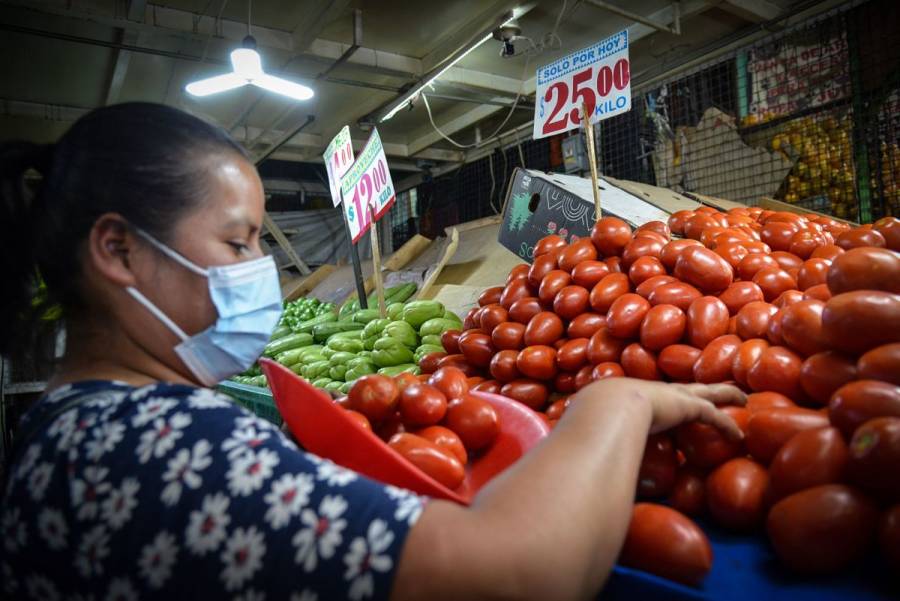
{"x":538,"y":204}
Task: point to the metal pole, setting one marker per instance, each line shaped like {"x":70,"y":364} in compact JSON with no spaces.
{"x":357,"y":268}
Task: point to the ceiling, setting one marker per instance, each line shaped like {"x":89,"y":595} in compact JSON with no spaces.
{"x":62,"y":58}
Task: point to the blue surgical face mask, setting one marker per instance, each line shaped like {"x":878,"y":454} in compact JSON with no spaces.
{"x":247,"y":297}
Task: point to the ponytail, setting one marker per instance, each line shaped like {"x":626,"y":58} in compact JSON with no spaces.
{"x":20,"y":197}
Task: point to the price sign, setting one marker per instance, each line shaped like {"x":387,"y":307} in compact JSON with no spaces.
{"x":599,"y":76}
{"x":367,"y":184}
{"x":338,"y":159}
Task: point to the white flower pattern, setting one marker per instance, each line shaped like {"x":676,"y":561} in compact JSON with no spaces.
{"x":169,"y":488}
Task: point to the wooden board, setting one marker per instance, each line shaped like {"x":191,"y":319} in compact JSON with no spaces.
{"x":303,"y":286}
{"x":449,"y":251}
{"x":776,"y":205}
{"x":662,"y":198}
{"x":719,"y":203}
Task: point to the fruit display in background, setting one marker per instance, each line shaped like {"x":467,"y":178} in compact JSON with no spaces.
{"x":801,"y":311}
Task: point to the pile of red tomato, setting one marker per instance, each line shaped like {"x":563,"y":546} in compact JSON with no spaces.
{"x":802,"y":312}
{"x":432,"y":421}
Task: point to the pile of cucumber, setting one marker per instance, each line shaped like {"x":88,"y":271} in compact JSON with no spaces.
{"x":332,"y":350}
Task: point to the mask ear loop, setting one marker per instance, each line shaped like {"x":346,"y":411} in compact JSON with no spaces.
{"x":172,"y":254}
{"x":143,"y":300}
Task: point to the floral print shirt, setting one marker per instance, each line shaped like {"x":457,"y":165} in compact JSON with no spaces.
{"x":170,"y":491}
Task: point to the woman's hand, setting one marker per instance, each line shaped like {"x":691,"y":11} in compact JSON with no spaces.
{"x":674,"y":404}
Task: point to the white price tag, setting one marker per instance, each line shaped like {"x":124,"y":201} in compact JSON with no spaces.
{"x":599,"y":75}
{"x":338,"y":159}
{"x":367,"y":184}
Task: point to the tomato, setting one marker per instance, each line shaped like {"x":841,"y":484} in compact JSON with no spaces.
{"x":649,"y":285}
{"x":675,"y":293}
{"x":552,"y":283}
{"x":524,"y":309}
{"x":812,"y":273}
{"x":570,"y":302}
{"x":714,"y":364}
{"x":860,"y":237}
{"x":645,"y":268}
{"x":875,"y":456}
{"x":656,"y":475}
{"x":703,"y":268}
{"x":469,"y":321}
{"x":529,"y":392}
{"x":513,"y":291}
{"x":449,"y":380}
{"x":361,"y":420}
{"x":677,"y":361}
{"x":608,"y":290}
{"x":739,"y":294}
{"x":584,"y":377}
{"x":537,"y":362}
{"x":491,"y":316}
{"x":446,"y":440}
{"x":778,"y":234}
{"x":695,"y":224}
{"x":623,"y":320}
{"x":429,"y":363}
{"x":705,"y":446}
{"x":801,"y":327}
{"x":666,"y":543}
{"x":542,"y":265}
{"x":557,"y":408}
{"x":508,"y":336}
{"x":818,"y":292}
{"x":588,"y":273}
{"x":564,"y":382}
{"x":707,"y":319}
{"x":573,"y":354}
{"x":640,"y":247}
{"x":435,"y":461}
{"x":544,"y":328}
{"x":490,"y":296}
{"x":677,"y":221}
{"x":747,"y":354}
{"x":503,"y":366}
{"x":655,"y":226}
{"x":520,"y":271}
{"x":638,"y":362}
{"x":450,"y":341}
{"x":614,"y":264}
{"x":773,"y":332}
{"x":773,"y":281}
{"x":732,"y":252}
{"x":422,"y":405}
{"x":810,"y":458}
{"x":753,"y":263}
{"x":769,"y":429}
{"x":778,"y":370}
{"x":603,"y":347}
{"x":758,"y":401}
{"x":881,"y":363}
{"x":475,"y":421}
{"x":578,"y":251}
{"x":859,"y":401}
{"x":889,"y":532}
{"x":786,"y":260}
{"x":670,"y":252}
{"x":788,"y":298}
{"x":865,"y":269}
{"x":663,"y":325}
{"x":610,"y":235}
{"x":476,"y":347}
{"x":689,"y":492}
{"x":585,"y":325}
{"x":829,"y":251}
{"x":804,"y":243}
{"x":735,"y":494}
{"x":823,"y":373}
{"x":375,"y":396}
{"x":549,"y":244}
{"x":857,"y":321}
{"x":607,"y":369}
{"x":823,"y":529}
{"x":889,"y":227}
{"x":492,"y":386}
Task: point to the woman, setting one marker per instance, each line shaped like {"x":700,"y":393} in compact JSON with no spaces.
{"x":131,"y":479}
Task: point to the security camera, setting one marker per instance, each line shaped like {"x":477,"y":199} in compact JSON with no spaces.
{"x":507,"y":34}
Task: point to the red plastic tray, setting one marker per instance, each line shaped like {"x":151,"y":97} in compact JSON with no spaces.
{"x":324,"y":428}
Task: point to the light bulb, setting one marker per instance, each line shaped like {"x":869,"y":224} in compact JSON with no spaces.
{"x":246,"y":63}
{"x":283,"y":86}
{"x":214,"y":85}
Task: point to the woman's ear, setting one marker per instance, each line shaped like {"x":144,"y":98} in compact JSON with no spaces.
{"x":111,"y":249}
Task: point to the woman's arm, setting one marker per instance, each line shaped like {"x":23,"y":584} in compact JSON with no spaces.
{"x":552,"y":526}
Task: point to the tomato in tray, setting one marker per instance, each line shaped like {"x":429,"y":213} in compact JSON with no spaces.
{"x":422,"y":405}
{"x":375,"y":396}
{"x":735,"y":494}
{"x":440,"y":464}
{"x":810,"y":458}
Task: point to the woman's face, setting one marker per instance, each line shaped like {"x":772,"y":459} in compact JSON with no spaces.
{"x":223,"y":230}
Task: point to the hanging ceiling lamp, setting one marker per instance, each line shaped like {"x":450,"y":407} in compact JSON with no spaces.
{"x":248,"y":70}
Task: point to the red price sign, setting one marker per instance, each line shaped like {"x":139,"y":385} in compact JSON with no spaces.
{"x":598,"y":76}
{"x":367,"y":185}
{"x":338,"y":159}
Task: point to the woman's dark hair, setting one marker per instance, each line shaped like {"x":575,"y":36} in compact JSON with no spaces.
{"x":144,"y":161}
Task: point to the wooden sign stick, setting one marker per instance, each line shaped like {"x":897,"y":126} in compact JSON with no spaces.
{"x":376,"y":263}
{"x":592,"y":156}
